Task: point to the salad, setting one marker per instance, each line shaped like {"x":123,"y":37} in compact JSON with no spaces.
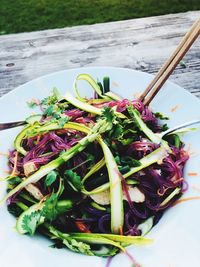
{"x":93,"y":174}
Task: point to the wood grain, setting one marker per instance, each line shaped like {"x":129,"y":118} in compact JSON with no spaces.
{"x":142,"y":44}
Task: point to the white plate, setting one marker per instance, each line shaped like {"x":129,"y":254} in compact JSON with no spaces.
{"x":176,"y":236}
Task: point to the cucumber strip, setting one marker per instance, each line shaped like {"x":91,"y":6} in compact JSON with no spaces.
{"x":174,"y":193}
{"x":92,"y":82}
{"x":116,"y":199}
{"x":97,"y":206}
{"x":87,"y":107}
{"x":33,"y":118}
{"x":82,"y":105}
{"x":155,"y":156}
{"x":135,"y":240}
{"x":87,"y":238}
{"x":145,"y":129}
{"x":31,"y":131}
{"x":94,"y":169}
{"x":114,"y":96}
{"x":55,"y":126}
{"x":97,"y":101}
{"x":19,"y":138}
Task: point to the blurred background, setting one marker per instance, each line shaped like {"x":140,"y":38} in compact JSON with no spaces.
{"x":32,"y":15}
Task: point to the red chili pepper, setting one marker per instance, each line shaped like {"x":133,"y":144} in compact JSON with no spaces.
{"x":82,"y":227}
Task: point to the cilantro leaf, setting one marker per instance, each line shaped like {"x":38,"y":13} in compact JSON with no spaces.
{"x":161,"y":116}
{"x":49,"y":110}
{"x":50,"y":178}
{"x":130,"y":161}
{"x":30,"y":222}
{"x":62,"y":121}
{"x":73,"y":179}
{"x":32,"y":104}
{"x":78,"y":246}
{"x":49,"y":210}
{"x":108,"y":113}
{"x":116,"y":132}
{"x":71,"y":243}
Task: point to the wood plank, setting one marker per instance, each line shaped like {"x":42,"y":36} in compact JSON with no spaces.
{"x":142,"y":44}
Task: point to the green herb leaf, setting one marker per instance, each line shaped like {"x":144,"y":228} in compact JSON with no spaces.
{"x":14,"y":180}
{"x":73,"y":179}
{"x":30,"y":222}
{"x":71,"y":243}
{"x":14,"y":209}
{"x":78,"y":246}
{"x":50,"y":178}
{"x":130,"y":161}
{"x":49,"y":110}
{"x":161,"y":116}
{"x":117,"y":131}
{"x":32,"y":104}
{"x":164,"y":127}
{"x":62,"y":121}
{"x":108,"y":113}
{"x":49,"y":210}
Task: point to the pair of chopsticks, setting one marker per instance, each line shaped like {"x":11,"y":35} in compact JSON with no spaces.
{"x":169,"y":66}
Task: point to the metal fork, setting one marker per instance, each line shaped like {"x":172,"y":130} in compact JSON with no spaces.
{"x":180,"y":126}
{"x":8,"y":125}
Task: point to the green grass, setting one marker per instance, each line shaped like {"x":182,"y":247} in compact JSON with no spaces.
{"x":31,"y":15}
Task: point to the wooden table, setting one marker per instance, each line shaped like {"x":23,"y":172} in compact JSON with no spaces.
{"x":142,"y":44}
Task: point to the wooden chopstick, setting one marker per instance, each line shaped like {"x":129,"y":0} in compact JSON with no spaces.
{"x":171,"y":63}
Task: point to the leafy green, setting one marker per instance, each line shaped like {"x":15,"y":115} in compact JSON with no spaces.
{"x":73,"y":179}
{"x":135,"y":115}
{"x":62,"y":121}
{"x":106,"y":84}
{"x":164,"y":127}
{"x":71,"y":243}
{"x":87,"y":238}
{"x":161,"y":116}
{"x":130,"y":161}
{"x":108,"y":114}
{"x":50,"y":178}
{"x":32,"y":104}
{"x":30,"y":222}
{"x":52,"y":99}
{"x":49,"y":210}
{"x":49,"y":110}
{"x":78,"y":246}
{"x":53,"y":108}
{"x":117,"y":132}
{"x":14,"y":180}
{"x":14,"y":209}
